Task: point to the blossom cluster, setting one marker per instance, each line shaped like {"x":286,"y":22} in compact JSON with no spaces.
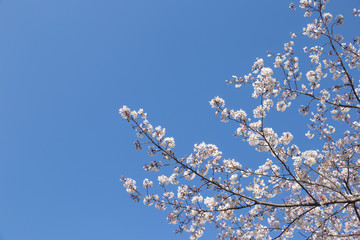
{"x":314,"y":193}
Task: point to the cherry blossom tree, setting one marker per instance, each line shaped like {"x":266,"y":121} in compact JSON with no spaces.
{"x":294,"y":193}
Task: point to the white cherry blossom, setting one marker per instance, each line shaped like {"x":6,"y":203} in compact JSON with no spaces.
{"x":299,"y":191}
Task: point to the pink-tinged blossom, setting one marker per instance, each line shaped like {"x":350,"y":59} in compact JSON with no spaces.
{"x":130,"y":185}
{"x":217,"y":101}
{"x":124,"y":112}
{"x":182,"y":192}
{"x":278,"y":61}
{"x":189,"y":175}
{"x":210,"y":202}
{"x":147,"y":183}
{"x":327,"y":17}
{"x":309,"y":135}
{"x":163,"y":180}
{"x":258,"y":64}
{"x":356,"y":12}
{"x":339,"y":19}
{"x":168,"y":142}
{"x":286,"y":138}
{"x":173,"y":179}
{"x":310,"y":157}
{"x":267,"y":72}
{"x":197,"y":198}
{"x":282,"y":105}
{"x":159,"y":133}
{"x":231,"y":165}
{"x":168,"y":195}
{"x":238,"y":114}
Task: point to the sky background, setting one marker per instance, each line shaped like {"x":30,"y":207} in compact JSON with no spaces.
{"x":66,"y":67}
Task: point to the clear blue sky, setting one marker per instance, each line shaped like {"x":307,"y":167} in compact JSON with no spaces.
{"x":65,"y":69}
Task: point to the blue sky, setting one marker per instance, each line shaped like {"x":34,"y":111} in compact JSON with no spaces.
{"x":66,"y":67}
